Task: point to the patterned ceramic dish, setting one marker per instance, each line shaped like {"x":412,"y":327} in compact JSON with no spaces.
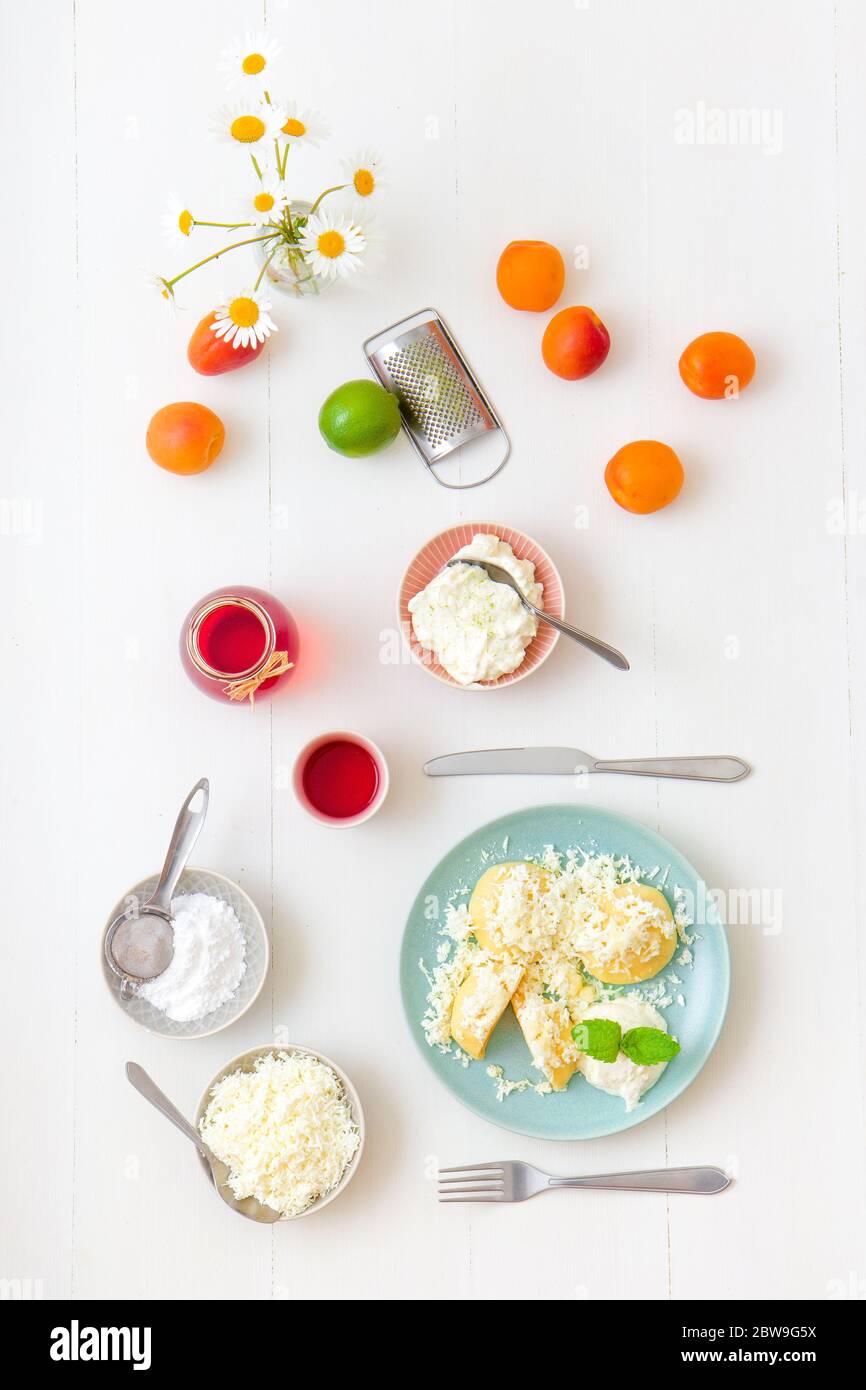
{"x":580,"y":1111}
{"x":257,"y":958}
{"x":437,"y":552}
{"x":245,"y":1063}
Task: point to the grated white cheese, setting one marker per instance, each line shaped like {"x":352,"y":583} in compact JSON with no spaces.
{"x":285,"y":1129}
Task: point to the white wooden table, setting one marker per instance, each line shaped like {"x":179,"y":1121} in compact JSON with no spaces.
{"x":741,"y":607}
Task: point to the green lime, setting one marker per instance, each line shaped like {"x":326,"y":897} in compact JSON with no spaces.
{"x":359,"y":418}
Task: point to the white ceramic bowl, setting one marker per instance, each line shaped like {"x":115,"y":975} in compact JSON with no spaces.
{"x":436,"y":553}
{"x":244,"y":1062}
{"x":257,"y":957}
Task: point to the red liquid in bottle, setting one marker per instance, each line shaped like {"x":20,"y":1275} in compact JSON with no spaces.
{"x":341,"y":779}
{"x":232,"y":639}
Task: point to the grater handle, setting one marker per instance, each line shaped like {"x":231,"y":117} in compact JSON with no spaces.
{"x":462,"y":487}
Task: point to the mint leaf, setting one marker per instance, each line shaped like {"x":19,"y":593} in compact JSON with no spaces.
{"x":598,"y":1038}
{"x":646,"y":1047}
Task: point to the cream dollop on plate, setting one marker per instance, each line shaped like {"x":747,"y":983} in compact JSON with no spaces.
{"x":623,"y":1077}
{"x":477,"y":630}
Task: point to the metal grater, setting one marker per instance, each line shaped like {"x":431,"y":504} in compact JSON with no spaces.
{"x":441,"y":401}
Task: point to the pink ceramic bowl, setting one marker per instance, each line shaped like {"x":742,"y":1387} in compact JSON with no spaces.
{"x":340,"y":736}
{"x":437,"y":552}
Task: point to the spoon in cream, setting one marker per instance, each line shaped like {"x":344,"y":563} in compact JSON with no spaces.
{"x":501,"y":576}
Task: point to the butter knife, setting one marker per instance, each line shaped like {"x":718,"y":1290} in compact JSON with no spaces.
{"x":572,"y":761}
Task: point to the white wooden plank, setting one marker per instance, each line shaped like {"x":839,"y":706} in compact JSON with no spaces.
{"x":40,"y":541}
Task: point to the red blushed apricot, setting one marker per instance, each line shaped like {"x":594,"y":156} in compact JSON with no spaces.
{"x":575,"y":343}
{"x":717,"y":365}
{"x":644,"y":476}
{"x":211,"y":356}
{"x":185,"y":437}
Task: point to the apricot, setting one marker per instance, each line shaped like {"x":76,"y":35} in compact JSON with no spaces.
{"x":644,"y":476}
{"x":185,"y":437}
{"x":211,"y":356}
{"x":717,"y":365}
{"x":575,"y":343}
{"x":530,"y":275}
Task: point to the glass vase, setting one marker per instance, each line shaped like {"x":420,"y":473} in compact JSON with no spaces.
{"x":287,"y":269}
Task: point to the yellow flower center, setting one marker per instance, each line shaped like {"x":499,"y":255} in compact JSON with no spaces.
{"x":294,"y":127}
{"x":247,"y":129}
{"x":253,"y":64}
{"x":244,"y":311}
{"x":364,"y":182}
{"x":264,"y":202}
{"x":331,"y":244}
{"x":185,"y":222}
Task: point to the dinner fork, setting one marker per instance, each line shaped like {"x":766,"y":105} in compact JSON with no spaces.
{"x":512,"y":1181}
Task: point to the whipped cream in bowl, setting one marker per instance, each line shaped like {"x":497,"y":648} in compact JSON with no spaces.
{"x":464,"y":628}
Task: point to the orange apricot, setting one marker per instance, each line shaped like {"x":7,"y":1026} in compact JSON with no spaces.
{"x":185,"y":437}
{"x":530,"y":275}
{"x":644,"y":476}
{"x":717,"y":365}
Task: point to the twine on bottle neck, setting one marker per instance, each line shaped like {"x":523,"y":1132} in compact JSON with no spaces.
{"x":276,"y":665}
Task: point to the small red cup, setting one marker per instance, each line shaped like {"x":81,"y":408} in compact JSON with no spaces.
{"x":340,"y":778}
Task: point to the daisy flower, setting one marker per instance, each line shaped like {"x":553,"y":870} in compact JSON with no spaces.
{"x":306,"y":126}
{"x":364,"y":173}
{"x":244,"y":320}
{"x":162,"y":286}
{"x":249,"y":61}
{"x":177,"y":222}
{"x":249,"y":125}
{"x":266,"y":202}
{"x":332,"y":246}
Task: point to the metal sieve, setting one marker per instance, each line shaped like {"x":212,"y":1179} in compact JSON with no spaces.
{"x":139,"y":943}
{"x":442,"y":404}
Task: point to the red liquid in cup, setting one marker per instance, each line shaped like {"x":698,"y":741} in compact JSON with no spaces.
{"x":341,"y":779}
{"x":232,"y":639}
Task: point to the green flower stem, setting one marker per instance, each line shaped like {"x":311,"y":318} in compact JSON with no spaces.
{"x":256,"y":166}
{"x":337,"y":188}
{"x":215,"y":255}
{"x":232,"y":226}
{"x":265,"y":266}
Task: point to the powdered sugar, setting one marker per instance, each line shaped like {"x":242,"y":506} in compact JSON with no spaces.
{"x":208,"y":962}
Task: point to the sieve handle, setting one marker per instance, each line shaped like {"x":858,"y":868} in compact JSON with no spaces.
{"x":186,"y":831}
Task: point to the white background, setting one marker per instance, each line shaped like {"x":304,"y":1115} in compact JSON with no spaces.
{"x":740,"y":607}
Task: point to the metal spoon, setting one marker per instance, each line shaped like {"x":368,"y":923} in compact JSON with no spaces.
{"x":501,"y":576}
{"x":246,"y":1206}
{"x":139,"y":944}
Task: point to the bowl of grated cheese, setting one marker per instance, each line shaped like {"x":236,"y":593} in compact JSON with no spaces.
{"x":289,"y":1125}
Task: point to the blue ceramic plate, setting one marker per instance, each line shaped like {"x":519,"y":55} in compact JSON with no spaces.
{"x":580,"y":1111}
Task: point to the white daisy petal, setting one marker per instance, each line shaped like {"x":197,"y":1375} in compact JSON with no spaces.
{"x":363,"y":172}
{"x":249,"y":125}
{"x":302,"y":127}
{"x":249,"y":61}
{"x":244,"y":320}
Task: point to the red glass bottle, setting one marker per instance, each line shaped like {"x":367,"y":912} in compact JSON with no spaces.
{"x":239,"y":644}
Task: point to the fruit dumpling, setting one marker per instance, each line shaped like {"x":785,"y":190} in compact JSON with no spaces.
{"x":625,"y":937}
